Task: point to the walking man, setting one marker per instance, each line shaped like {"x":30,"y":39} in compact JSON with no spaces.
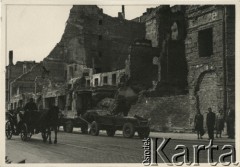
{"x":219,"y":123}
{"x":210,"y":123}
{"x":198,"y":121}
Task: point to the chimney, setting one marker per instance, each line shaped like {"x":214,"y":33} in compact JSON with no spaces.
{"x":10,"y":57}
{"x":123,"y":11}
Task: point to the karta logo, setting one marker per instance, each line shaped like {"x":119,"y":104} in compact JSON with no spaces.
{"x":153,"y":152}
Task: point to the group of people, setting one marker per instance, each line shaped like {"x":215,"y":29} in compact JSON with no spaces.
{"x":215,"y":122}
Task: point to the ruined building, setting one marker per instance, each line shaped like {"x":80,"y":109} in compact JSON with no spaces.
{"x":178,"y":60}
{"x":199,"y":49}
{"x":13,"y":72}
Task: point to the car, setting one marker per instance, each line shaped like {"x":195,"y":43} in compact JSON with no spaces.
{"x":111,"y":123}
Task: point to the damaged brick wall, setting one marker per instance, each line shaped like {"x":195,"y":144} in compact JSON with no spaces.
{"x":95,"y":39}
{"x":26,"y":82}
{"x":140,"y":68}
{"x":56,"y":69}
{"x":157,"y":22}
{"x":117,"y":35}
{"x":205,"y":51}
{"x":165,"y":113}
{"x":14,"y":71}
{"x":166,"y":28}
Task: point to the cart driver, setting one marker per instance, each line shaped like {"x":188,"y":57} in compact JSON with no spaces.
{"x":30,"y":106}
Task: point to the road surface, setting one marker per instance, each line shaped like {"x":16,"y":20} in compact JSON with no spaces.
{"x":80,"y":148}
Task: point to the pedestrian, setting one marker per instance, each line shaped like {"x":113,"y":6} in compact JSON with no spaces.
{"x":210,"y":123}
{"x":231,"y":123}
{"x":219,"y":123}
{"x":198,"y":122}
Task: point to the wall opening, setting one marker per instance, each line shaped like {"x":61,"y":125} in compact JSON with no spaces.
{"x":205,"y":42}
{"x":114,"y":79}
{"x":88,"y":82}
{"x":105,"y":80}
{"x":71,"y":72}
{"x":96,"y":81}
{"x":206,"y":93}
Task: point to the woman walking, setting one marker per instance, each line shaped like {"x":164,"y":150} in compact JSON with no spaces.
{"x":219,"y":123}
{"x":198,"y":121}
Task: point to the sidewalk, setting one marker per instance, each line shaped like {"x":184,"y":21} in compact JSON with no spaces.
{"x":189,"y":136}
{"x":175,"y":136}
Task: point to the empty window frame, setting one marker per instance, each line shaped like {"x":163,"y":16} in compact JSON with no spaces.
{"x":71,"y":72}
{"x":96,"y":81}
{"x":114,"y":79}
{"x":205,"y":42}
{"x":88,"y":82}
{"x":105,"y":80}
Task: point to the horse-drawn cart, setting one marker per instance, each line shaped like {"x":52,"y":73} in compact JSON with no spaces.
{"x":25,"y":127}
{"x":14,"y":128}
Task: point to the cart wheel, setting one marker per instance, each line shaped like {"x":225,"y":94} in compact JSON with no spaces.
{"x":8,"y":130}
{"x":94,"y":129}
{"x":44,"y":136}
{"x":24,"y":132}
{"x":29,"y":135}
{"x":144,"y":133}
{"x":64,"y":128}
{"x":111,"y":132}
{"x":128,"y":130}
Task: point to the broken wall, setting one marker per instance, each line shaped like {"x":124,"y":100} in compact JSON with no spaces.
{"x":95,"y":39}
{"x":140,"y":68}
{"x":206,"y":56}
{"x":165,"y":113}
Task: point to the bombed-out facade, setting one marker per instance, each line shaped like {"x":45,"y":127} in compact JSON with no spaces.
{"x":174,"y":60}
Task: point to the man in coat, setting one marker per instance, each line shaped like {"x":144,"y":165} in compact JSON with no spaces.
{"x":198,"y":122}
{"x":30,"y":113}
{"x":210,"y":123}
{"x":30,"y":106}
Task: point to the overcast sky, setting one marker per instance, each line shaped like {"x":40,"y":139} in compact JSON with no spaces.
{"x":33,"y":31}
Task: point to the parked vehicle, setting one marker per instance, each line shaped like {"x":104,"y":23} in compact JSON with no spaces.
{"x":93,"y":120}
{"x":112,"y":123}
{"x":69,"y":120}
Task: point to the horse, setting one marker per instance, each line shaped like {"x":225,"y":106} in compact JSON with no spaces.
{"x":48,"y":121}
{"x":43,"y":121}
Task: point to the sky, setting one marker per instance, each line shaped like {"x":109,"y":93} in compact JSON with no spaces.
{"x":33,"y":31}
